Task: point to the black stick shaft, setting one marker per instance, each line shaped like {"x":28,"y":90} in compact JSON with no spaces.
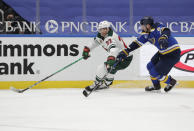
{"x":52,"y":74}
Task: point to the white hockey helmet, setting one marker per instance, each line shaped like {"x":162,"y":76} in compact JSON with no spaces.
{"x":103,"y":24}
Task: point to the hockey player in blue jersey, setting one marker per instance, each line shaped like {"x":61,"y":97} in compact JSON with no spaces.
{"x":162,"y":62}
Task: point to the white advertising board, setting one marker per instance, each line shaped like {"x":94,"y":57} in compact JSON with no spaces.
{"x":34,"y":58}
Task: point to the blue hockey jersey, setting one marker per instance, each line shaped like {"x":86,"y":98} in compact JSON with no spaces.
{"x":153,"y":38}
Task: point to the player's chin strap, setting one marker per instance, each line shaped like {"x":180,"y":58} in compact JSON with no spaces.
{"x":147,"y":30}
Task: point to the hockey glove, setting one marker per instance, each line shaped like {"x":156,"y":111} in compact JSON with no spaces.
{"x":110,"y":62}
{"x":123,"y":55}
{"x":85,"y":53}
{"x":163,"y":42}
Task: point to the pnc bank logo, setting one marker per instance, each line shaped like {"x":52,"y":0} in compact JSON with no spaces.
{"x":186,"y":62}
{"x":137,"y":27}
{"x":51,"y":26}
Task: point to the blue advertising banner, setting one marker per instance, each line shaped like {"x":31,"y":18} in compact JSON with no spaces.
{"x":77,"y":17}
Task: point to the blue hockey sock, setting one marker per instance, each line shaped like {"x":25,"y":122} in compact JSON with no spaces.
{"x":155,"y":81}
{"x":166,"y":79}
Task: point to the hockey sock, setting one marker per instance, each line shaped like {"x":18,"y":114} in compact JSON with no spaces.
{"x":166,"y":79}
{"x":155,"y":81}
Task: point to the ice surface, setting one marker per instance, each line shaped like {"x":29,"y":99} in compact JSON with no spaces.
{"x":115,"y":109}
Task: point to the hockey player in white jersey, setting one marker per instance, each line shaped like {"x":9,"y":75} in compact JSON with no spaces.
{"x":113,"y":44}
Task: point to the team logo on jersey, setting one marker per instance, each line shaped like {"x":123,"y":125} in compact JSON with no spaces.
{"x":51,"y":26}
{"x":186,"y":62}
{"x":158,"y":29}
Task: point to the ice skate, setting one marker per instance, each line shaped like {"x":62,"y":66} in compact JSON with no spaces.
{"x":155,"y":88}
{"x":172,"y":84}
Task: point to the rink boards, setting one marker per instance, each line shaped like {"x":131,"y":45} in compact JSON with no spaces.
{"x":83,"y":84}
{"x":25,"y":60}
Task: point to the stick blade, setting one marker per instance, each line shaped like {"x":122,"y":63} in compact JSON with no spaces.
{"x":85,"y":93}
{"x":15,"y":90}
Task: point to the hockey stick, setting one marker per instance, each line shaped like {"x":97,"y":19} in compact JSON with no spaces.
{"x":22,"y":90}
{"x":86,"y":94}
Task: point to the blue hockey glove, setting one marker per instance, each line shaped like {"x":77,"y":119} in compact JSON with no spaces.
{"x":163,"y":42}
{"x":123,"y":54}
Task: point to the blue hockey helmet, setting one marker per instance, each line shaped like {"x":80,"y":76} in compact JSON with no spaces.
{"x":147,"y":20}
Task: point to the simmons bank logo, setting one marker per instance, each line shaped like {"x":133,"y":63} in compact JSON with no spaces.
{"x":186,"y":62}
{"x":26,"y":52}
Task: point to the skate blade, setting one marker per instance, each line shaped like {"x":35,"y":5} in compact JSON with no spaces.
{"x":15,"y":90}
{"x":98,"y":89}
{"x":85,"y":93}
{"x":154,"y":91}
{"x":171,"y":88}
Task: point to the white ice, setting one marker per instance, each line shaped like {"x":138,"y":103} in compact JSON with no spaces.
{"x":115,"y":109}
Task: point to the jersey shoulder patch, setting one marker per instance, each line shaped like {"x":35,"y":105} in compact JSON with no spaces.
{"x":159,"y":27}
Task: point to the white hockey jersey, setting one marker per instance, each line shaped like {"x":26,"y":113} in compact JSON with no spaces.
{"x":112,"y":43}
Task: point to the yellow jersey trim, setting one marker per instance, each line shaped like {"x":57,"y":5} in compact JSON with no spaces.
{"x":169,"y":51}
{"x":161,"y":38}
{"x":152,"y":29}
{"x":125,"y":52}
{"x":137,"y":43}
{"x":144,"y":33}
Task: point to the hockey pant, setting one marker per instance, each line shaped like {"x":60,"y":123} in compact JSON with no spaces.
{"x":160,"y":65}
{"x":103,"y":76}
